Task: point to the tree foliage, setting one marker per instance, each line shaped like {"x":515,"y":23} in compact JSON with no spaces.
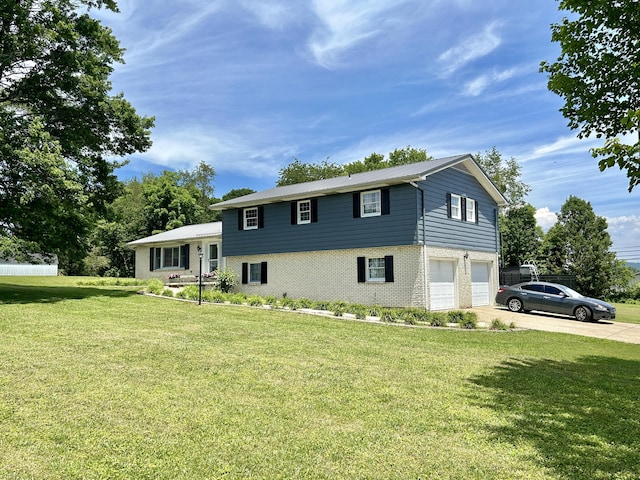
{"x":598,"y":76}
{"x":521,"y":237}
{"x":299,"y":172}
{"x":579,"y":244}
{"x":505,"y":174}
{"x":60,"y":126}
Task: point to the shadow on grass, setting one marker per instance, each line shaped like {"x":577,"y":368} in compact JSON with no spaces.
{"x":582,"y":417}
{"x":23,"y":294}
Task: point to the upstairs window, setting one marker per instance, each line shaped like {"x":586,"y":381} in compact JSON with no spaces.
{"x":251,"y":218}
{"x":462,"y":208}
{"x":456,"y":207}
{"x":370,"y":204}
{"x":470,"y":210}
{"x":304,"y":211}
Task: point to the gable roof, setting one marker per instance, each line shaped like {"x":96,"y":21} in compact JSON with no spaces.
{"x":189,"y":232}
{"x":374,"y":179}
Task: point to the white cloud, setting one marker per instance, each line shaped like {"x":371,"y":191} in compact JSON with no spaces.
{"x":545,"y":218}
{"x":479,"y":84}
{"x":274,"y":15}
{"x":470,"y":49}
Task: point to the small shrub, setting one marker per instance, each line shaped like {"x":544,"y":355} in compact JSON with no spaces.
{"x":237,"y":298}
{"x":289,"y":303}
{"x":438,"y":319}
{"x":190,"y":292}
{"x":360,"y":311}
{"x":417,"y":315}
{"x":167,"y":292}
{"x":388,"y":315}
{"x":469,"y":320}
{"x":338,"y":308}
{"x":214,"y":296}
{"x":455,"y":316}
{"x":322,"y":305}
{"x":305,"y":303}
{"x":271,"y":300}
{"x":255,"y":301}
{"x":375,"y":311}
{"x":513,"y":325}
{"x":155,"y":286}
{"x":497,"y":324}
{"x":224,"y":280}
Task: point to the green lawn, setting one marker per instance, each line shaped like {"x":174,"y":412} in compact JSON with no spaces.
{"x":98,"y":382}
{"x":626,"y":312}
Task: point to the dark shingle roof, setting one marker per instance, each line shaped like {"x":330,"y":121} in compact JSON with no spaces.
{"x":360,"y":181}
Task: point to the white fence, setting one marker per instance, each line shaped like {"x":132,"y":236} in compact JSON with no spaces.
{"x":25,"y":270}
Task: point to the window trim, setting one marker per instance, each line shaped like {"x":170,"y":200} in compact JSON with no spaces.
{"x":299,"y":212}
{"x":245,"y":218}
{"x":255,"y":268}
{"x":369,"y":268}
{"x":474,"y":212}
{"x":458,"y":207}
{"x":378,"y":211}
{"x":210,"y":258}
{"x":363,"y":270}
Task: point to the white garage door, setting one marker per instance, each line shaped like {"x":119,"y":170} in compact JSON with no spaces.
{"x":442,"y":289}
{"x":480,"y":284}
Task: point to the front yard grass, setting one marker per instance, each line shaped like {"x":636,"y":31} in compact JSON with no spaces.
{"x":98,"y":382}
{"x":627,"y":312}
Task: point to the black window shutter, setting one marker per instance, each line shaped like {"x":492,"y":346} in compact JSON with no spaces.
{"x":294,"y":213}
{"x":449,"y":205}
{"x":356,"y":205}
{"x":477,"y":212}
{"x":245,"y":273}
{"x":240,"y":219}
{"x":362,"y":274}
{"x":260,"y":217}
{"x":386,"y":204}
{"x":151,"y":259}
{"x":263,"y":272}
{"x":463,"y":209}
{"x":388,"y":268}
{"x":314,"y":210}
{"x":185,"y":263}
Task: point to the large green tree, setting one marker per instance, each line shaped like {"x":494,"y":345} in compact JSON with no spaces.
{"x":299,"y":172}
{"x":579,"y":244}
{"x":60,"y":125}
{"x":598,"y":75}
{"x":521,"y":237}
{"x":505,"y":174}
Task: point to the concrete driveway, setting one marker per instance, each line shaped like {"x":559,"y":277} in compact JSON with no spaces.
{"x":608,"y":329}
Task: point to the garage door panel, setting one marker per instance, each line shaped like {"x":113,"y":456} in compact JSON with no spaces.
{"x":480,"y":285}
{"x":442,"y":285}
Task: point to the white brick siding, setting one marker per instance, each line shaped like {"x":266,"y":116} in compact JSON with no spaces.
{"x":333,"y":275}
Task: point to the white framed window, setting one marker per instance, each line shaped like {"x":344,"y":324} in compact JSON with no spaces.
{"x":171,"y":257}
{"x":251,"y":218}
{"x":470,"y":210}
{"x":255,"y":272}
{"x":456,"y":206}
{"x":304,"y":211}
{"x":375,"y":270}
{"x":214,"y":250}
{"x":370,"y":203}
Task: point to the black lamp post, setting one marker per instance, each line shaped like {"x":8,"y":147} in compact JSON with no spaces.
{"x":200,"y":276}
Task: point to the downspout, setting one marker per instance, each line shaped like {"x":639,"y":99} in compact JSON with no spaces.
{"x":423,"y":242}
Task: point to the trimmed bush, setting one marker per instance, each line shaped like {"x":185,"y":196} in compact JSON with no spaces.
{"x":167,"y":292}
{"x":255,"y":301}
{"x":155,"y":286}
{"x":469,"y":320}
{"x":438,"y":319}
{"x":455,"y":316}
{"x":497,"y":324}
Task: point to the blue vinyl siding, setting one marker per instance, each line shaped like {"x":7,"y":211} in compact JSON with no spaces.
{"x":448,"y":232}
{"x":335,"y":229}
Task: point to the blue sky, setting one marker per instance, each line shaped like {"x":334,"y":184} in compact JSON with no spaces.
{"x":249,"y":85}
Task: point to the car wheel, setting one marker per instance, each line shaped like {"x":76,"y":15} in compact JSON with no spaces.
{"x":583,"y":314}
{"x":514,"y":304}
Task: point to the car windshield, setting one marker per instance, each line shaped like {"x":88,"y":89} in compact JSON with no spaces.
{"x":572,"y":293}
